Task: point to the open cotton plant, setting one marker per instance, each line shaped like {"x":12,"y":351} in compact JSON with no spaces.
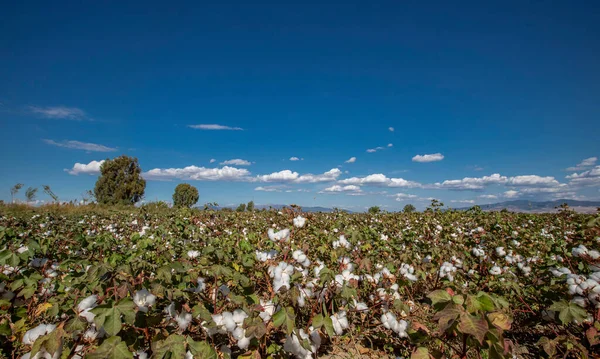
{"x":209,"y":284}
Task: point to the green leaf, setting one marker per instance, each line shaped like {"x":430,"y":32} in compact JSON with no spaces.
{"x":568,"y":312}
{"x":447,"y":316}
{"x":420,"y":353}
{"x":112,"y":321}
{"x":112,"y":348}
{"x":439,"y":296}
{"x":50,"y":342}
{"x":329,"y":326}
{"x":202,"y":349}
{"x":173,"y":345}
{"x":287,"y":316}
{"x":475,"y":326}
{"x":317,"y":321}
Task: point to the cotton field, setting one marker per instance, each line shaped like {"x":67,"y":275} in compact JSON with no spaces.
{"x":206,"y":284}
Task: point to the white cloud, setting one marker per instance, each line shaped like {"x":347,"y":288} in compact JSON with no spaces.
{"x":294,"y":159}
{"x":212,"y":160}
{"x":587,"y":178}
{"x":390,"y":145}
{"x":472,"y":183}
{"x":215,"y":127}
{"x":91,"y":168}
{"x":428,"y":158}
{"x":270,"y":188}
{"x":391,"y":129}
{"x":586,"y":163}
{"x":351,"y":160}
{"x":379,"y":148}
{"x":400,"y":197}
{"x":488,"y":196}
{"x":379,"y":179}
{"x":76,"y":145}
{"x":295,"y":177}
{"x":60,"y":112}
{"x":236,"y":162}
{"x":511,"y":194}
{"x":467,"y":201}
{"x":338,"y":188}
{"x":198,"y":174}
{"x":533,"y":180}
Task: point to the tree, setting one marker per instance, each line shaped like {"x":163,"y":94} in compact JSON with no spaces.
{"x":30,"y":194}
{"x":120,"y":181}
{"x":185,"y":195}
{"x":49,"y":192}
{"x":409,"y":208}
{"x":250,"y":206}
{"x":241,"y":207}
{"x":374,"y":210}
{"x":14,"y":190}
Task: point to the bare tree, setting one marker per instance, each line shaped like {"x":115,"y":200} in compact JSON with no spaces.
{"x":15,"y":190}
{"x":49,"y":192}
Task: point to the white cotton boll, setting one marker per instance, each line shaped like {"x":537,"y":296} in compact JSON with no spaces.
{"x":282,"y":235}
{"x":427,"y":259}
{"x":243,"y":343}
{"x":360,"y":306}
{"x":183,"y":320}
{"x":91,"y":334}
{"x":193,"y":254}
{"x":238,"y":333}
{"x":340,"y":322}
{"x":189,"y":355}
{"x":22,"y":249}
{"x":229,"y":322}
{"x":384,"y":237}
{"x":579,"y":251}
{"x":299,"y":221}
{"x":33,"y":334}
{"x":495,"y":270}
{"x":85,"y":307}
{"x":408,"y":272}
{"x":500,"y":252}
{"x":140,"y":354}
{"x":580,"y":301}
{"x":144,"y":299}
{"x":239,"y":316}
{"x":478,"y":252}
{"x":594,"y":254}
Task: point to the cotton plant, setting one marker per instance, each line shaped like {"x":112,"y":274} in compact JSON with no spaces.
{"x":340,"y":322}
{"x":390,"y":321}
{"x":280,"y":236}
{"x":143,"y":299}
{"x":301,"y":258}
{"x":447,"y":270}
{"x":293,"y":345}
{"x":342,"y":242}
{"x":85,"y":306}
{"x":232,"y":323}
{"x":299,"y":222}
{"x":183,"y":318}
{"x":282,"y":275}
{"x":407,"y":271}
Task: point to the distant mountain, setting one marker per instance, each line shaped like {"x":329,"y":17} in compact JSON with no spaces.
{"x":281,"y":206}
{"x":540,"y":207}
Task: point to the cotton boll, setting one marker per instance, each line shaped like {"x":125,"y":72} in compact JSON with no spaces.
{"x":228,"y":321}
{"x":33,"y":334}
{"x":268,"y":309}
{"x":239,"y":316}
{"x":282,"y":235}
{"x":243,"y":343}
{"x":594,"y":254}
{"x":299,"y":221}
{"x":193,"y":254}
{"x":340,"y":322}
{"x":183,"y":320}
{"x":500,"y":252}
{"x":495,"y":270}
{"x":144,"y":299}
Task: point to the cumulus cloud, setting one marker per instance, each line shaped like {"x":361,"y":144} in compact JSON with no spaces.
{"x":295,"y":177}
{"x":212,"y":160}
{"x":351,"y":160}
{"x":428,"y":158}
{"x":379,"y":179}
{"x":467,"y":201}
{"x":77,"y":145}
{"x":472,"y":183}
{"x":236,"y":162}
{"x":92,"y":168}
{"x":585,"y":164}
{"x":337,"y":189}
{"x":488,"y":196}
{"x":270,"y":188}
{"x":225,"y":173}
{"x":511,"y":194}
{"x":533,"y":180}
{"x":587,"y":178}
{"x":60,"y":112}
{"x":215,"y":127}
{"x":294,"y":159}
{"x":379,"y":148}
{"x":400,"y":197}
{"x":391,"y":129}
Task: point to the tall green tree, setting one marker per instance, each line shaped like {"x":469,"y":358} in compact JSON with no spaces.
{"x":409,"y":208}
{"x":120,"y":181}
{"x":185,"y":195}
{"x":374,"y":209}
{"x":14,"y":190}
{"x":241,"y":207}
{"x":49,"y":192}
{"x":250,"y":206}
{"x":30,"y":194}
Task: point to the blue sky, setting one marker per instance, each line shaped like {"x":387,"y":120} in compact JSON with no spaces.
{"x":503,"y":96}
